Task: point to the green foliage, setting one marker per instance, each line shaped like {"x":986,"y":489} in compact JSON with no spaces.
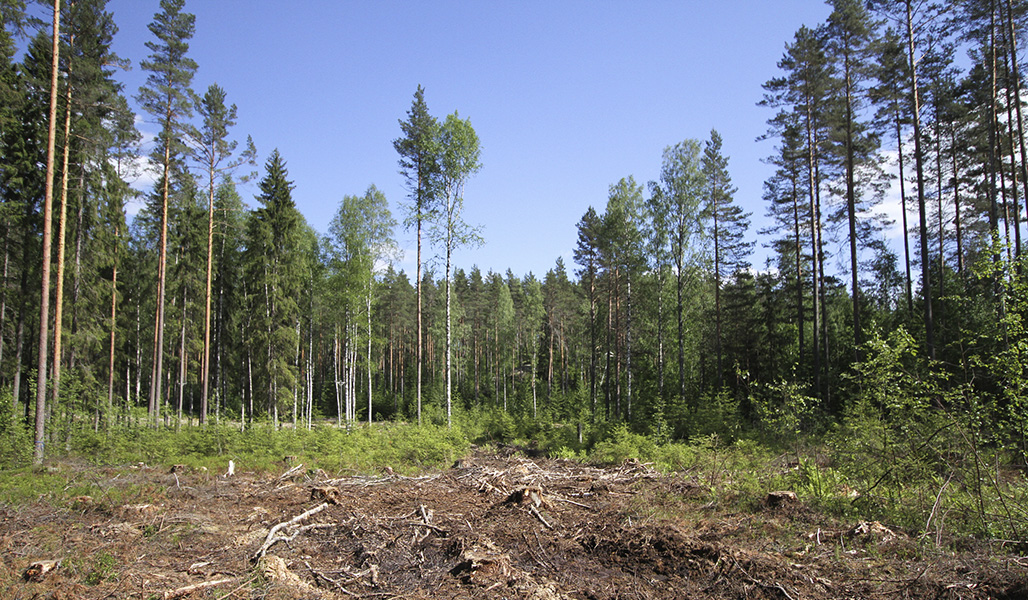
{"x":824,"y":486}
{"x":15,"y":437}
{"x":104,"y":568}
{"x":783,"y":411}
{"x":716,"y":414}
{"x":622,"y":445}
{"x":262,"y":447}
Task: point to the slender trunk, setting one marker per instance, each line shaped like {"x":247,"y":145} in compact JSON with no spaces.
{"x":296,"y":387}
{"x":606,"y":368}
{"x":940,"y":217}
{"x":815,"y":254}
{"x":3,"y":293}
{"x":205,"y":366}
{"x":956,"y":201}
{"x":368,"y":307}
{"x":903,"y":204}
{"x":114,"y":329}
{"x":158,"y":346}
{"x":19,"y":334}
{"x":419,"y":321}
{"x":851,"y":207}
{"x":823,"y":300}
{"x":44,"y":304}
{"x":549,"y":359}
{"x":1015,"y":74}
{"x":681,"y":325}
{"x":798,"y":249}
{"x":717,"y":284}
{"x":1015,"y":204}
{"x":618,"y":351}
{"x":628,"y":348}
{"x":926,"y":284}
{"x":449,"y":343}
{"x":310,"y":364}
{"x":62,"y":229}
{"x":592,"y":341}
{"x":139,"y":352}
{"x":660,"y":334}
{"x":250,"y":390}
{"x":183,"y":362}
{"x":337,"y":380}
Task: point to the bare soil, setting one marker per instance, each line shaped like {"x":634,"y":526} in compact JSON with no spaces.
{"x":489,"y":527}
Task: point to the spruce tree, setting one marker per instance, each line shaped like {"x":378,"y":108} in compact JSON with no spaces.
{"x":274,"y":259}
{"x":729,"y":224}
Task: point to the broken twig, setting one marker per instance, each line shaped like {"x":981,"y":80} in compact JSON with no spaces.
{"x":272,"y":534}
{"x":189,"y":589}
{"x":539,"y":516}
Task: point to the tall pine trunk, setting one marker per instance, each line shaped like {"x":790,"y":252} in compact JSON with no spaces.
{"x":44,"y":304}
{"x":162,"y":261}
{"x":903,"y":205}
{"x":419,"y":355}
{"x":113,"y":332}
{"x":915,"y":100}
{"x":205,"y":367}
{"x":851,"y":204}
{"x":62,"y":229}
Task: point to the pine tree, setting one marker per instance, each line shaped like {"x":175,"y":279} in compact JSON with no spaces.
{"x":621,"y":255}
{"x":587,"y":256}
{"x":784,"y":191}
{"x":213,"y":150}
{"x":167,"y":97}
{"x":890,"y":96}
{"x":917,"y":20}
{"x":849,"y":33}
{"x":228,"y":286}
{"x":419,"y":164}
{"x":44,"y":304}
{"x":803,"y":95}
{"x":102,"y":133}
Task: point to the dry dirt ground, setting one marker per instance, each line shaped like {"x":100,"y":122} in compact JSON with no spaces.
{"x":489,"y":527}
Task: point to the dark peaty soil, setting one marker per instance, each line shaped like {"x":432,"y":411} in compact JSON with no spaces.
{"x":490,"y":527}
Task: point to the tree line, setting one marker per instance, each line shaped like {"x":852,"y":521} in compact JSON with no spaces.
{"x":202,"y":307}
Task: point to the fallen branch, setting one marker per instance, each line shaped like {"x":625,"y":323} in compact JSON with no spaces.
{"x":272,"y":534}
{"x":189,"y":589}
{"x":290,"y":472}
{"x":538,"y":515}
{"x":586,"y":506}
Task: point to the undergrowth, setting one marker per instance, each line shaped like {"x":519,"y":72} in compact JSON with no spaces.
{"x":893,"y":458}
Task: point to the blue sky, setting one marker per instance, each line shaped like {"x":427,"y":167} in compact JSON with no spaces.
{"x":567,"y":97}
